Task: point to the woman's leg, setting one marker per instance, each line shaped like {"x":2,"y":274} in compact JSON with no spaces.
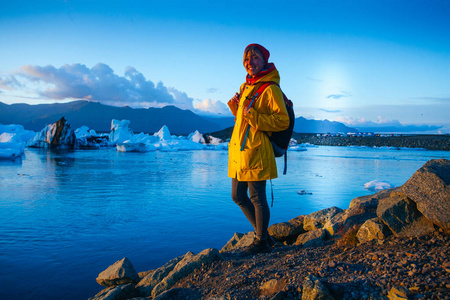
{"x":240,"y":197}
{"x":257,"y":190}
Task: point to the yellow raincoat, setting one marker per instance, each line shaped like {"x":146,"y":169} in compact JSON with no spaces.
{"x":257,"y":161}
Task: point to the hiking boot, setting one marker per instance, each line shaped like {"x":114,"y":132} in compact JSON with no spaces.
{"x":258,"y":246}
{"x":270,"y":241}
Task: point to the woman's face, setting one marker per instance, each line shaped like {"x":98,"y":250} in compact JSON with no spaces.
{"x":253,"y":63}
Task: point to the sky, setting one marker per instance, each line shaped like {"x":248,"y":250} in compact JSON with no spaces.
{"x":368,"y":64}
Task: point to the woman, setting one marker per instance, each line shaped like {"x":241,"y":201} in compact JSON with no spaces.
{"x":251,"y":159}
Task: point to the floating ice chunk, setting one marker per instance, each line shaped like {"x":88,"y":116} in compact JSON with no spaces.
{"x":197,"y":137}
{"x":164,"y":134}
{"x":216,"y":141}
{"x":84,"y":131}
{"x":119,"y":132}
{"x":297,"y":148}
{"x":176,"y":145}
{"x":308,"y":145}
{"x":129,"y":146}
{"x":90,"y":139}
{"x":11,"y":146}
{"x":22,"y":134}
{"x":376,"y":185}
{"x":293,"y":142}
{"x":58,"y":135}
{"x":138,"y":143}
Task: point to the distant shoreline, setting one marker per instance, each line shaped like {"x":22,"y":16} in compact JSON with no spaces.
{"x":429,"y":142}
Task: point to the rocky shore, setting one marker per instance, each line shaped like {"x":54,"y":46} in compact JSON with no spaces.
{"x":394,"y":244}
{"x":429,"y":142}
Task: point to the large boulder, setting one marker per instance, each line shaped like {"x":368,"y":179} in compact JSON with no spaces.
{"x":287,"y":230}
{"x":146,"y":285}
{"x":400,"y":214}
{"x":126,"y":291}
{"x":187,"y":265}
{"x":239,"y":241}
{"x":313,"y":289}
{"x":429,"y":187}
{"x":371,"y":201}
{"x":319,"y":218}
{"x":312,"y":238}
{"x":361,"y":209}
{"x":372,"y":229}
{"x":121,"y":272}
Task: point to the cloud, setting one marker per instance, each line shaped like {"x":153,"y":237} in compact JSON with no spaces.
{"x":338,"y":96}
{"x":211,"y":107}
{"x":212,"y":90}
{"x":329,"y":111}
{"x":99,"y":83}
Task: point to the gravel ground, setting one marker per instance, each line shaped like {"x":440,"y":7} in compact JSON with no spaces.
{"x":349,"y":271}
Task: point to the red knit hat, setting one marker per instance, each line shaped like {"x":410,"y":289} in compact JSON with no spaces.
{"x":263,"y":50}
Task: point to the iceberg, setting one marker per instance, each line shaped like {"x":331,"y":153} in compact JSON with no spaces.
{"x":377,"y":185}
{"x":138,"y":143}
{"x":22,"y":134}
{"x":129,"y":146}
{"x":295,"y":146}
{"x":90,"y":139}
{"x":197,"y":137}
{"x":13,"y":140}
{"x":161,"y":140}
{"x":119,"y":132}
{"x":11,"y":146}
{"x":215,"y":141}
{"x":163,"y":134}
{"x":58,"y":135}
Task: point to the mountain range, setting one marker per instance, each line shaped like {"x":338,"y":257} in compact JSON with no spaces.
{"x":98,"y":117}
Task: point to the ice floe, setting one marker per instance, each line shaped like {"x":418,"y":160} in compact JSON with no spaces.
{"x":13,"y":140}
{"x":377,"y":185}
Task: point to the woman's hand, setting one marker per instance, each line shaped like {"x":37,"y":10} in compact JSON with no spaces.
{"x":235,"y":99}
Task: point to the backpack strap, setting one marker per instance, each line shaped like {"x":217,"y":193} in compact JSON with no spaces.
{"x":251,"y":103}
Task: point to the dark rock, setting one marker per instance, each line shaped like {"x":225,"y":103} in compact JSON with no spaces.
{"x":239,"y":241}
{"x":371,"y":201}
{"x":398,"y":293}
{"x":312,"y":238}
{"x":319,"y":218}
{"x":400,"y":214}
{"x":121,"y":292}
{"x":188,"y":264}
{"x":429,"y":187}
{"x":273,"y":286}
{"x":146,"y":285}
{"x":313,"y":289}
{"x":372,"y":229}
{"x":121,"y":272}
{"x":284,"y":231}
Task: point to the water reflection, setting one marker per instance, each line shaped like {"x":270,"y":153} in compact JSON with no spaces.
{"x":83,"y":210}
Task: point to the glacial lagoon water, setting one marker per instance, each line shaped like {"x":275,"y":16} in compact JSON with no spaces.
{"x":67,"y":216}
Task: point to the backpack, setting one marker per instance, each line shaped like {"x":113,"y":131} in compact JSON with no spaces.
{"x":279,"y":139}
